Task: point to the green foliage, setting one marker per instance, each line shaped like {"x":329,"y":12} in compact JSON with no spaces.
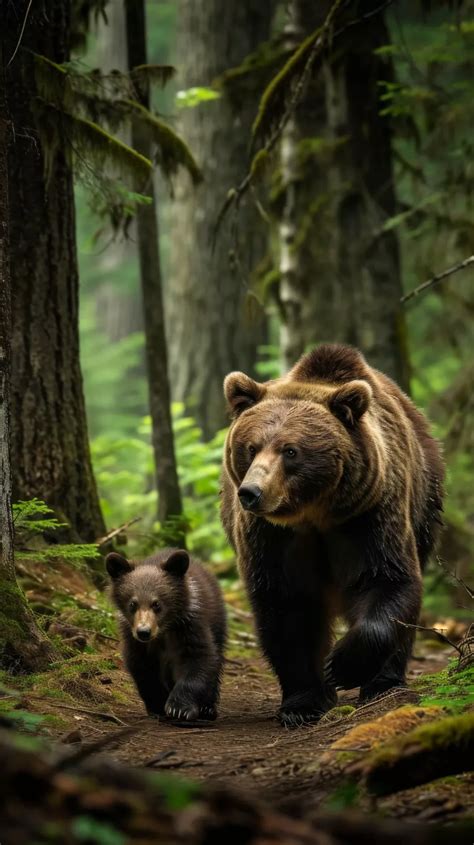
{"x":90,"y":830}
{"x":454,"y":691}
{"x":124,"y":469}
{"x":27,"y":526}
{"x":431,"y":107}
{"x":189,"y":98}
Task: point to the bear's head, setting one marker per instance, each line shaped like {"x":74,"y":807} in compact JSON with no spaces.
{"x":152,"y":595}
{"x":291,"y":442}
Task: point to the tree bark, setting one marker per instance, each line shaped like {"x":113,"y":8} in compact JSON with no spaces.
{"x":50,"y":448}
{"x":21,"y":641}
{"x":344,"y":282}
{"x":211,"y":329}
{"x":169,"y":496}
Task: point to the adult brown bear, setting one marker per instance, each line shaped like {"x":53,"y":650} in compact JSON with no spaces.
{"x":332,"y":493}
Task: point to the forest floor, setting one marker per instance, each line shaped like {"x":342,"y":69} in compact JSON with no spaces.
{"x":88,"y":701}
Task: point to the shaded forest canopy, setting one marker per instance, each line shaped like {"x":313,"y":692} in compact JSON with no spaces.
{"x":189,"y":188}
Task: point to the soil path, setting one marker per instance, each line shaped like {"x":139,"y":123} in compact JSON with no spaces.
{"x":246,"y":747}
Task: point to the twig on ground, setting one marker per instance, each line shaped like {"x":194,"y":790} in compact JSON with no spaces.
{"x":438,"y":278}
{"x":94,"y":747}
{"x":158,"y":758}
{"x":108,"y":717}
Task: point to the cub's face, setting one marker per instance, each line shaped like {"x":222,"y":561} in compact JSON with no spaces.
{"x":149,"y":595}
{"x":289,"y":442}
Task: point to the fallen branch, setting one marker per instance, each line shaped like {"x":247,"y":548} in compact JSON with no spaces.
{"x":108,"y":717}
{"x":106,"y":539}
{"x":438,"y":278}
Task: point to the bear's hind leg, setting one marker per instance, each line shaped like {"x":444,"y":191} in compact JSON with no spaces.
{"x":393,"y":674}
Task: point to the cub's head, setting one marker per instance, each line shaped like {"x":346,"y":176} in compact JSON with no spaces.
{"x":151,"y":596}
{"x":290,"y":442}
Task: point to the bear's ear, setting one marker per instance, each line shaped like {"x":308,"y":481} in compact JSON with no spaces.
{"x":117,"y":565}
{"x":241,"y":392}
{"x":177,"y":563}
{"x":350,"y":401}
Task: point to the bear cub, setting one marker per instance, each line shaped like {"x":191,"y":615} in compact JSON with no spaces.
{"x":173,"y":630}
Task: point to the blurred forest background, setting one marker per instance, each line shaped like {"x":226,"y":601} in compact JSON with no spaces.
{"x":196,"y":188}
{"x":189,"y":188}
{"x":368,"y":192}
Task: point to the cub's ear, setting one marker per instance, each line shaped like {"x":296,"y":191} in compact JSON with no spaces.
{"x":241,"y":392}
{"x":117,"y":565}
{"x":350,"y":401}
{"x":177,"y":563}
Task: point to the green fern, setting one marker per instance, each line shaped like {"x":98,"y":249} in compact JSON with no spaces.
{"x":31,"y":519}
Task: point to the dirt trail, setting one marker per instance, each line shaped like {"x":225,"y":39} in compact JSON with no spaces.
{"x":247,"y":748}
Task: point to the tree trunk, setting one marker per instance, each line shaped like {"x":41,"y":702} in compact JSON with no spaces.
{"x":346,"y":285}
{"x":50,"y":449}
{"x":368,"y":287}
{"x":305,"y":267}
{"x":169,"y":496}
{"x":210,"y":331}
{"x":118,"y":309}
{"x":21,"y":641}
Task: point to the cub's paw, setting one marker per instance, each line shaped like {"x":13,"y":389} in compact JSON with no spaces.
{"x":303,"y":709}
{"x":181,"y":710}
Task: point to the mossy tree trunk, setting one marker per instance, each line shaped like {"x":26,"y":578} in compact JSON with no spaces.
{"x":169,"y":496}
{"x":301,"y":204}
{"x":50,"y":448}
{"x":21,"y":641}
{"x":211,"y":331}
{"x":340,"y":271}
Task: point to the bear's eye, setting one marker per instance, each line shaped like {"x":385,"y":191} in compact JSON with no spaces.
{"x":156,"y":606}
{"x":133,"y":606}
{"x":289,"y":452}
{"x":252,"y":451}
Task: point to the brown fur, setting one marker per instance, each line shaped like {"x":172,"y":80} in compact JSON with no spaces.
{"x":177,"y":605}
{"x":335,"y":453}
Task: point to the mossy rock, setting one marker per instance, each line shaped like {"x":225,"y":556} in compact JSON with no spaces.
{"x":337,"y":714}
{"x":364,"y":737}
{"x":440,"y":749}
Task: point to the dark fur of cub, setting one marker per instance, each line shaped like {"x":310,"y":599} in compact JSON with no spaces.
{"x":173,"y":629}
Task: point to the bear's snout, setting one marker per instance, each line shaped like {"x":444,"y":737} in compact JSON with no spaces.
{"x":249,"y":496}
{"x":144,"y":633}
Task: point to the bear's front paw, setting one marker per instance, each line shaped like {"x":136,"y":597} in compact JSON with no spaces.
{"x":348,"y":665}
{"x":304,"y":709}
{"x":181,"y":709}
